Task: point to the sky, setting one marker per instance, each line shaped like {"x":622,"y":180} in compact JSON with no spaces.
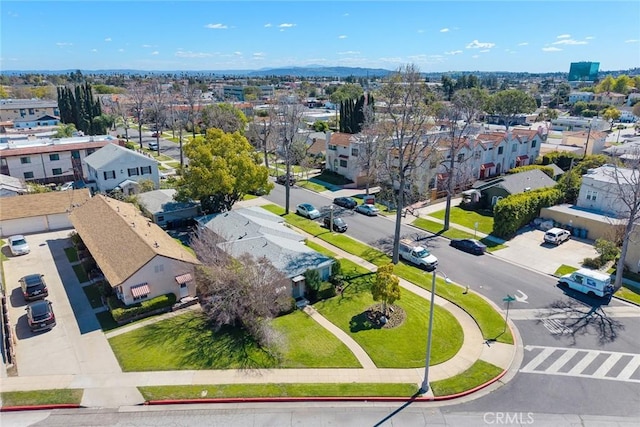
{"x":435,"y":36}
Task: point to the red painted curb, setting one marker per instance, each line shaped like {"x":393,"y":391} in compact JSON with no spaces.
{"x":39,"y":407}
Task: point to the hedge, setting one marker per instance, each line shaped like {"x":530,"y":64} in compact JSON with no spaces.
{"x":121,"y":312}
{"x":517,"y":210}
{"x":548,"y":170}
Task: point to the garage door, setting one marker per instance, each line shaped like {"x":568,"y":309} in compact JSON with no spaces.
{"x":36,"y":224}
{"x":59,"y":222}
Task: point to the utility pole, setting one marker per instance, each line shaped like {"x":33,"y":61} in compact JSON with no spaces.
{"x":586,"y":144}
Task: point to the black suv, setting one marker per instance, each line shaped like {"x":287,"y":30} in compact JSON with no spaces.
{"x":282,"y":179}
{"x":33,"y":287}
{"x":345,"y":202}
{"x":40,"y":316}
{"x":338,"y":224}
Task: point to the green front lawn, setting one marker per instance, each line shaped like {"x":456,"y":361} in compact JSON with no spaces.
{"x":479,"y":373}
{"x":214,"y":391}
{"x":564,"y":269}
{"x":80,"y":273}
{"x":72,"y":254}
{"x":189,"y":342}
{"x":41,"y":397}
{"x":454,"y":233}
{"x":629,"y":293}
{"x":468,"y":219}
{"x":491,"y":322}
{"x":333,"y":178}
{"x":309,"y":185}
{"x":93,"y":294}
{"x":399,"y":347}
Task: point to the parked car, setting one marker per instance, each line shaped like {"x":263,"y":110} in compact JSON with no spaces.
{"x":368,"y":210}
{"x":33,"y":287}
{"x":282,"y":179}
{"x":153,"y":145}
{"x":18,"y":245}
{"x":40,"y":315}
{"x":345,"y":202}
{"x":155,"y":134}
{"x":338,"y":224}
{"x":67,"y":186}
{"x":308,"y":210}
{"x":556,"y":236}
{"x":469,"y":245}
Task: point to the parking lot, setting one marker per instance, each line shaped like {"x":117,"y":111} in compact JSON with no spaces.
{"x":76,"y":345}
{"x":529,"y":249}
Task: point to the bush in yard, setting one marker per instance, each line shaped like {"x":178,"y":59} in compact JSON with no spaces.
{"x":594,"y":263}
{"x":517,"y":210}
{"x":608,"y":250}
{"x":548,"y":170}
{"x":312,"y":282}
{"x":326,"y":291}
{"x":121,"y":312}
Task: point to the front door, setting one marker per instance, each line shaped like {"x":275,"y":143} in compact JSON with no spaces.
{"x":297,"y":290}
{"x":184,"y":290}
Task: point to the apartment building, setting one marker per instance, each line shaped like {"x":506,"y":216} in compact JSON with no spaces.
{"x":27,"y":110}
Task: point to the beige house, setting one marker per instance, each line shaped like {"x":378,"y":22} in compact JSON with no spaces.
{"x":138,"y":259}
{"x":594,"y":141}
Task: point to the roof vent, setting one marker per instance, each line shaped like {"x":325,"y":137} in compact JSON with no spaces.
{"x":156,"y":245}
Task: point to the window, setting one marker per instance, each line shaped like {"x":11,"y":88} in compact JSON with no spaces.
{"x":145,"y":170}
{"x":514,"y":148}
{"x":533,"y":143}
{"x":343,"y":163}
{"x":333,"y":147}
{"x":54,"y":157}
{"x":132,"y":171}
{"x":31,"y":111}
{"x":28,"y":175}
{"x":56,"y":171}
{"x":477,"y":154}
{"x":160,"y":218}
{"x":25,"y":160}
{"x":75,"y":154}
{"x":592,"y":195}
{"x":139,"y":297}
{"x":460,"y":157}
{"x":90,"y":151}
{"x":500,"y":150}
{"x":354,"y":152}
{"x":109,"y":174}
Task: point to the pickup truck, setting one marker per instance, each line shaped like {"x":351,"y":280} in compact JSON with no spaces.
{"x":416,"y":254}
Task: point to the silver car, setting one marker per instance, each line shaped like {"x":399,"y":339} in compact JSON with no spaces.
{"x":307,"y":210}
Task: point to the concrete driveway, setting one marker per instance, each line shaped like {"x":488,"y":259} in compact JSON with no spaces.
{"x":76,"y":345}
{"x":529,"y":249}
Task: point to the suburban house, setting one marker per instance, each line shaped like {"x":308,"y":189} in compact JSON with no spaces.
{"x":11,"y":186}
{"x":578,"y":123}
{"x":114,"y":166}
{"x":260,"y":233}
{"x":342,"y":156}
{"x":45,"y":120}
{"x":137,"y":258}
{"x":50,"y":160}
{"x":12,"y":110}
{"x":492,"y":191}
{"x":580,"y":96}
{"x":589,"y":142}
{"x":165,"y":211}
{"x":39,"y":212}
{"x":599,"y":209}
{"x":610,"y":98}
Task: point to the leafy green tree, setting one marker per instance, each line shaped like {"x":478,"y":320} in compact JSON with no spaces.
{"x":623,"y":84}
{"x":346,"y":91}
{"x":320,"y":126}
{"x":612,"y":114}
{"x":223,"y":167}
{"x":65,"y":131}
{"x":606,"y":85}
{"x":386,"y":287}
{"x":225,"y":117}
{"x":608,"y":250}
{"x":313,"y":282}
{"x":510,"y":103}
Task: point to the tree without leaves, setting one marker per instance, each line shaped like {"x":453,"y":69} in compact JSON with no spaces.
{"x":263,"y":132}
{"x":244,"y":292}
{"x":370,"y":153}
{"x":289,"y":121}
{"x":386,"y":287}
{"x":223,"y":167}
{"x":510,"y":103}
{"x":158,"y":103}
{"x":138,"y":95}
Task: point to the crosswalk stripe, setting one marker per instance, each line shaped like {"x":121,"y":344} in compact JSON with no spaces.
{"x":561,"y":361}
{"x":607,"y":365}
{"x":539,"y":359}
{"x":631,"y":367}
{"x":582,"y":364}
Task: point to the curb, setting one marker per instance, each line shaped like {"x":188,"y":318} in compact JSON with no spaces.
{"x":40,"y":407}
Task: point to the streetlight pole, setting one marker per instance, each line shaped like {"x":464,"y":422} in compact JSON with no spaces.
{"x":331,"y":219}
{"x":425,"y":383}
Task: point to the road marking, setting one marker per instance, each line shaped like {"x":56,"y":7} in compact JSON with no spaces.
{"x":561,"y":360}
{"x":556,"y":327}
{"x":560,"y":356}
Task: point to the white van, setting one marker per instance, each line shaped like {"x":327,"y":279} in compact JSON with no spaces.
{"x":590,"y":282}
{"x":556,"y":236}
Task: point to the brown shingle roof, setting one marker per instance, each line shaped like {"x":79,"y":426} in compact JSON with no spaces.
{"x":31,"y":205}
{"x":341,"y":139}
{"x":317,"y":147}
{"x":121,"y":240}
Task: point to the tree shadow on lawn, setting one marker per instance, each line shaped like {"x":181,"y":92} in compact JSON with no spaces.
{"x":201,"y":347}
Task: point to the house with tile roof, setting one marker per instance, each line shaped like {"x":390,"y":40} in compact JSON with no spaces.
{"x":39,"y":212}
{"x":138,"y":259}
{"x":261,"y":233}
{"x":114,"y":166}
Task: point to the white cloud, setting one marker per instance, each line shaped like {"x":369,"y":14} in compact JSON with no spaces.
{"x":349,"y":52}
{"x":108,"y":39}
{"x":216,"y":26}
{"x":453,"y":52}
{"x":190,"y":54}
{"x":480,"y":45}
{"x":64,"y":44}
{"x":632,"y":41}
{"x":564,"y":36}
{"x":523,"y":44}
{"x":551,"y":49}
{"x":589,"y":38}
{"x":237,"y":53}
{"x":268,"y":25}
{"x":342,"y":37}
{"x":570,"y":42}
{"x":155,"y":52}
{"x":484,"y":50}
{"x":444,"y":30}
{"x":259,"y":55}
{"x":286,"y":25}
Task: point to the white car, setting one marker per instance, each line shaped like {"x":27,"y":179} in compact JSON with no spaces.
{"x":308,"y":210}
{"x":18,"y":245}
{"x":67,"y":186}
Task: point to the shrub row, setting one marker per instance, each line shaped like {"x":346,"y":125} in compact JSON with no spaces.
{"x":517,"y":210}
{"x":548,"y":170}
{"x":122,"y":313}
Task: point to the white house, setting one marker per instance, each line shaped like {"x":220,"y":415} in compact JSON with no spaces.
{"x":581,"y":96}
{"x":115,"y":166}
{"x":342,"y":152}
{"x":138,"y":259}
{"x":11,"y":186}
{"x":601,"y":189}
